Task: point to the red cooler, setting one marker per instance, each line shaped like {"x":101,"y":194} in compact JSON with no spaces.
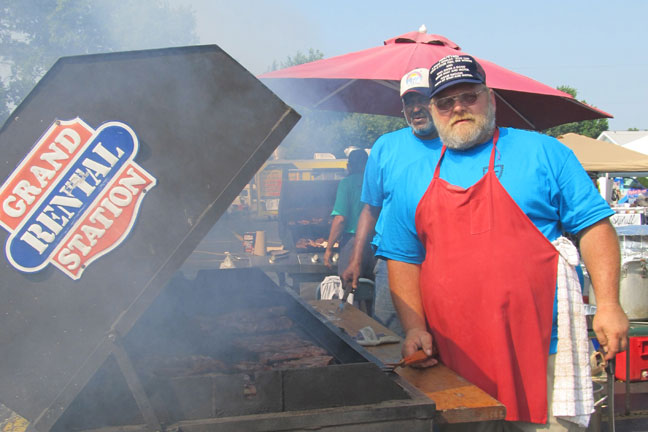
{"x":638,"y":371}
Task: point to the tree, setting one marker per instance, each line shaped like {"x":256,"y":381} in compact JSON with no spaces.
{"x":35,"y":33}
{"x":589,"y":128}
{"x":297,"y":59}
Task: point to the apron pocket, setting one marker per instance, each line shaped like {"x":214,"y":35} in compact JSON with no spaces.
{"x":480,"y":215}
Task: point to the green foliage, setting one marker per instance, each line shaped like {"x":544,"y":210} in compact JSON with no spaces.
{"x":643,"y":181}
{"x":589,"y":128}
{"x":297,"y":59}
{"x":35,"y":33}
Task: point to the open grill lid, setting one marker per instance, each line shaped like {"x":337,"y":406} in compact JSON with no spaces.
{"x":204,"y":125}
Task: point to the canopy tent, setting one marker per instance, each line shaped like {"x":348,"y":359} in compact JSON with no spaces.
{"x":605,"y":157}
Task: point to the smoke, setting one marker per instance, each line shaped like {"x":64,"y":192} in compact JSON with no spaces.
{"x":255,"y":33}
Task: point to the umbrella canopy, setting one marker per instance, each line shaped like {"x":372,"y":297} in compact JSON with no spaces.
{"x":602,"y":156}
{"x":368,"y":82}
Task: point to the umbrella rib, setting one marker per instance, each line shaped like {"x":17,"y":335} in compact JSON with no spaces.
{"x":333,"y":93}
{"x":385,"y":83}
{"x":515,"y":110}
{"x":388,"y":84}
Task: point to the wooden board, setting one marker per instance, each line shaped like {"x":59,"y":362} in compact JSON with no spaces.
{"x":457,"y":400}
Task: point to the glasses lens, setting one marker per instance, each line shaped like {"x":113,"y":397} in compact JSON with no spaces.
{"x":445,"y":104}
{"x":465,"y":99}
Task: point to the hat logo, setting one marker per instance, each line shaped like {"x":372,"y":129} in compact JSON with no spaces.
{"x":414,"y":78}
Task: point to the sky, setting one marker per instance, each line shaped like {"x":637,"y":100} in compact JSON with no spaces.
{"x":600,"y":48}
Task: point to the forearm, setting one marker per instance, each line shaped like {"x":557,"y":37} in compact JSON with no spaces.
{"x":364,"y":230}
{"x":599,"y":248}
{"x":337,"y":226}
{"x":600,"y":251}
{"x":406,"y":294}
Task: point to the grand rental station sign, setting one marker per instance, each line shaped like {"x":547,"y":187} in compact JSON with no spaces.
{"x":74,"y":197}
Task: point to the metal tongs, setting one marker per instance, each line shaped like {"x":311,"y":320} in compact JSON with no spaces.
{"x":348,"y":289}
{"x":610,"y":369}
{"x":412,"y":359}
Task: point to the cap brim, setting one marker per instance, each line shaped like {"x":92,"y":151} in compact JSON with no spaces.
{"x":425,"y":91}
{"x":455,"y":82}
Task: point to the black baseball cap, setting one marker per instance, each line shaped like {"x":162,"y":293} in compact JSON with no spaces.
{"x":455,"y":69}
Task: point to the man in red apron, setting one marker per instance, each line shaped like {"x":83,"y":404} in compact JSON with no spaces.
{"x":471,"y":264}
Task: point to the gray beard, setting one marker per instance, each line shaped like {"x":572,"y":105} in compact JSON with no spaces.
{"x":480,"y":135}
{"x":425,"y":131}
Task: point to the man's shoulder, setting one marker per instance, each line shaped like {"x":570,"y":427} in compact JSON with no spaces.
{"x":402,"y":143}
{"x":528,"y":139}
{"x":352,"y":179}
{"x":399,"y":134}
{"x":533,"y":136}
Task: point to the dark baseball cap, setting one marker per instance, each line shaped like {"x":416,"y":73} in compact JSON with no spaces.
{"x":455,"y":69}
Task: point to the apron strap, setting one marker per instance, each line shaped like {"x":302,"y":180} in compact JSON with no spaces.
{"x":491,"y":164}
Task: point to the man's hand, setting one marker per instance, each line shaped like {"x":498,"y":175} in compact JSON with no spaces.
{"x":611,"y":327}
{"x":417,"y":339}
{"x":599,"y":247}
{"x":327,"y":258}
{"x":364,"y":232}
{"x":351,"y":274}
{"x":337,"y":226}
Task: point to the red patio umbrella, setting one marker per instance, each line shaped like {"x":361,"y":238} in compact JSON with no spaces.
{"x":368,"y":81}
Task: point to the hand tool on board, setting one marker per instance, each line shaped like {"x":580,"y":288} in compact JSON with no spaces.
{"x":412,"y":359}
{"x":348,"y":289}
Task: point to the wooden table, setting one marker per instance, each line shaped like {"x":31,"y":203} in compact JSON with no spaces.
{"x":457,"y":400}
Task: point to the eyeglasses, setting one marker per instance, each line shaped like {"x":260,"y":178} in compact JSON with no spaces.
{"x":465,"y":99}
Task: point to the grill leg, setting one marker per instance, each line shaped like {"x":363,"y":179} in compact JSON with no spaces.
{"x":134,"y":384}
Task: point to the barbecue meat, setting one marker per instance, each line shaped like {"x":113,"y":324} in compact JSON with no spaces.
{"x":272,"y":343}
{"x":247,"y":321}
{"x":188,"y":366}
{"x":291,"y":354}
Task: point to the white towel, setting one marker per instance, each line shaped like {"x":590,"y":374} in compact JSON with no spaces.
{"x":573,"y":399}
{"x":331,"y":288}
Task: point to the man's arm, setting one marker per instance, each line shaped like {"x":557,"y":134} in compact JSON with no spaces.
{"x":364,"y":230}
{"x":406,"y":296}
{"x":336,"y":229}
{"x":599,"y":247}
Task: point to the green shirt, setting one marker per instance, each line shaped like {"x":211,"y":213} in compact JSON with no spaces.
{"x":347,"y":201}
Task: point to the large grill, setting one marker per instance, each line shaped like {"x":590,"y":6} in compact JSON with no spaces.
{"x":231,"y":349}
{"x":130,"y":346}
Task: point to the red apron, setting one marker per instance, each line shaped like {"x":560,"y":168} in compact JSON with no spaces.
{"x":488,"y":283}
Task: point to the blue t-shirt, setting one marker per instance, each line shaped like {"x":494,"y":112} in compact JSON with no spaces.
{"x":389,"y":156}
{"x":542,"y":176}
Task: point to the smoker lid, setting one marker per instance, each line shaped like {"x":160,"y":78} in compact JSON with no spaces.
{"x":204,"y":126}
